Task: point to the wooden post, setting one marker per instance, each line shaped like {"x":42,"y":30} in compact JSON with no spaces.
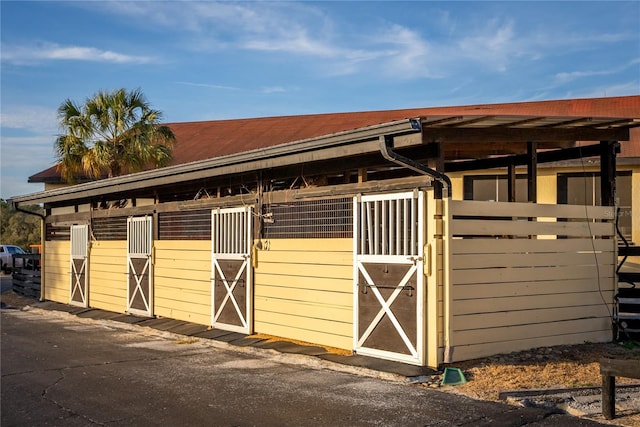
{"x":155,"y":230}
{"x":362,"y":175}
{"x":257,"y":221}
{"x":437,"y":163}
{"x":608,"y":396}
{"x":608,"y":151}
{"x":610,"y":369}
{"x":511,"y":182}
{"x":532,"y":171}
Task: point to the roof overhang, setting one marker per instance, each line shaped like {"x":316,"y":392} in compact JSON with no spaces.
{"x":517,"y":129}
{"x":349,"y":143}
{"x":556,"y":132}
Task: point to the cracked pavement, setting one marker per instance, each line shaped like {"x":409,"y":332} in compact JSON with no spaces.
{"x":58,"y":369}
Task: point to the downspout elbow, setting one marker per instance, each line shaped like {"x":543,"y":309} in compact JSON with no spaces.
{"x":15,"y":206}
{"x":386,"y":149}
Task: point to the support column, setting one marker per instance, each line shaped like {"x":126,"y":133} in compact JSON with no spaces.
{"x":437,"y":163}
{"x":532,"y":172}
{"x":362,"y":175}
{"x":608,"y":151}
{"x":511,"y":182}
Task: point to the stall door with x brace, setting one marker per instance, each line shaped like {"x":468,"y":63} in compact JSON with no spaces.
{"x":388,"y":277}
{"x":231,"y":292}
{"x":139,"y":266}
{"x":79,"y":266}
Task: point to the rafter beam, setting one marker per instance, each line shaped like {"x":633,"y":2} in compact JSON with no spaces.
{"x":511,"y":135}
{"x":521,"y":159}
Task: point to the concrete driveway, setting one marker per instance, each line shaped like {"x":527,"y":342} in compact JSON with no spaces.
{"x":61,"y":369}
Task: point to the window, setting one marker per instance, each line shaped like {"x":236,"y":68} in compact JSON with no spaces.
{"x":494,"y":188}
{"x":584,"y":189}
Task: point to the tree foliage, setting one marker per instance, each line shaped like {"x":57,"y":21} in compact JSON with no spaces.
{"x":112,"y":134}
{"x":18,"y":228}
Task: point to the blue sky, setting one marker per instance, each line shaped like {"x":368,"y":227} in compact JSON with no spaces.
{"x":219,"y":60}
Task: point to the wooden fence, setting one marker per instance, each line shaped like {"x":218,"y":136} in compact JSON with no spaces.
{"x":526,"y":275}
{"x":27,"y":278}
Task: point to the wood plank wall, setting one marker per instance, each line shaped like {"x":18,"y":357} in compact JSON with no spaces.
{"x":108,"y":275}
{"x":182,"y":280}
{"x":303,"y":290}
{"x":57,"y":258}
{"x":528,"y":275}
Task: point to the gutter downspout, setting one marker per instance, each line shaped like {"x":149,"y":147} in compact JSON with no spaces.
{"x":42,"y":243}
{"x":386,"y":149}
{"x":386,"y":145}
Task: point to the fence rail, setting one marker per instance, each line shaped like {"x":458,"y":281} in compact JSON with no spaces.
{"x":27,"y":278}
{"x":525,"y":275}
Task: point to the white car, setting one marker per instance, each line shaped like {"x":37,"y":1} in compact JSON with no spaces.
{"x":6,"y":257}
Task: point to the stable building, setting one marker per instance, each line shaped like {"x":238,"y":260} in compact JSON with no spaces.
{"x":360,"y":230}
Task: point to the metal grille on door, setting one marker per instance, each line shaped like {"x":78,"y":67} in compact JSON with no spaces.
{"x":79,"y":265}
{"x":388,"y":276}
{"x":139,"y":284}
{"x":231,"y":234}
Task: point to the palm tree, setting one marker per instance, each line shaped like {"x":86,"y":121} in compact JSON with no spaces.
{"x":112,"y":134}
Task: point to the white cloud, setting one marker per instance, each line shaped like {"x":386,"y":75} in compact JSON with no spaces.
{"x":40,"y":120}
{"x":409,"y":54}
{"x":297,"y":42}
{"x":443,"y":47}
{"x":21,"y":157}
{"x":493,"y":46}
{"x":264,"y":90}
{"x":565,"y":77}
{"x":208,"y":85}
{"x":273,"y":89}
{"x":308,"y":31}
{"x":14,"y":184}
{"x":263,"y":26}
{"x":574,"y":75}
{"x":26,"y":55}
{"x":617,"y":89}
{"x":17,"y":151}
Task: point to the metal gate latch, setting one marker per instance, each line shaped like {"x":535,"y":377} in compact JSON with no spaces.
{"x":415,"y":259}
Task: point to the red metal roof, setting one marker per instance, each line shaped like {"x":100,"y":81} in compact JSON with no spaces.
{"x":215,"y":138}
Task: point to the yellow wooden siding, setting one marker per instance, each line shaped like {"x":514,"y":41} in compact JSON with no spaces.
{"x":57,"y":258}
{"x":569,"y":338}
{"x":303,"y":290}
{"x":547,"y":183}
{"x":510,"y":294}
{"x":108,"y":275}
{"x":457,"y":185}
{"x":635,"y":204}
{"x":434,"y":279}
{"x":182,"y":280}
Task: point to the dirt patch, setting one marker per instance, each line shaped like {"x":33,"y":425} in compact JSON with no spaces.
{"x":11,"y":299}
{"x":549,"y":367}
{"x":332,"y":350}
{"x":558,"y":367}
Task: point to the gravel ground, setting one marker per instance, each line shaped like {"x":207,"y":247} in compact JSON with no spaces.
{"x":565,"y":377}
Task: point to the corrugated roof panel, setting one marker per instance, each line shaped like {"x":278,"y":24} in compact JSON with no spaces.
{"x":210,"y":139}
